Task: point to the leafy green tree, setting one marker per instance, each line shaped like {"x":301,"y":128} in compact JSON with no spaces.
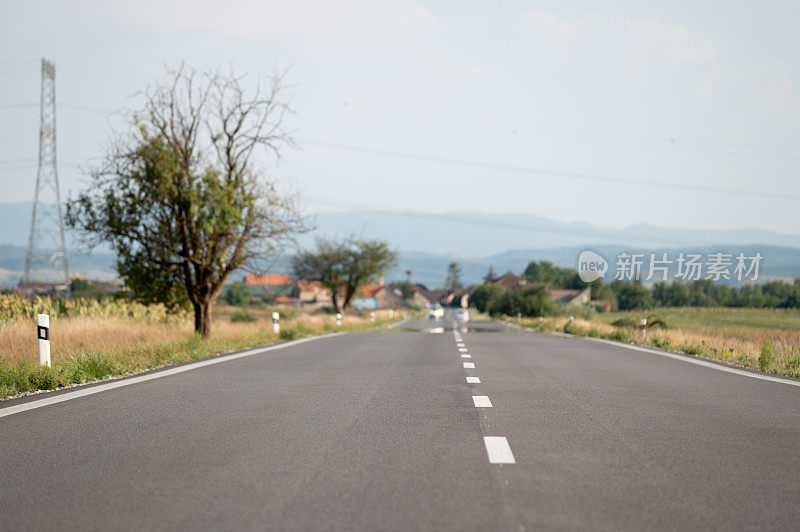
{"x":481,"y":297}
{"x":603,"y":292}
{"x":631,"y":295}
{"x":179,"y":198}
{"x":531,"y":301}
{"x":547,"y":273}
{"x":343,"y":266}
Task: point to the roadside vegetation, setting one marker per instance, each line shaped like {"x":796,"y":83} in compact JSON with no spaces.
{"x":753,"y":326}
{"x":93,"y":340}
{"x":762,"y":339}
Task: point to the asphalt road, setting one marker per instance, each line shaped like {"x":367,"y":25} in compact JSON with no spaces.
{"x":380,"y":431}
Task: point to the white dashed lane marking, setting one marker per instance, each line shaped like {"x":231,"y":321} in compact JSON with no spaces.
{"x":460,"y":344}
{"x":462,"y":349}
{"x":466,"y":356}
{"x":469,"y":365}
{"x":482,"y":401}
{"x":473,"y":380}
{"x":498,"y":450}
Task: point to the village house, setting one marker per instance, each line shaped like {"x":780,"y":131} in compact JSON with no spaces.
{"x":568,"y":296}
{"x":312,"y":293}
{"x":269,"y":285}
{"x":511,"y":281}
{"x":564,"y":296}
{"x":378,"y":296}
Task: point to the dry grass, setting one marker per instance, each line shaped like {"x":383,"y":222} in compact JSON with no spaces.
{"x":69,"y":335}
{"x":730,"y":344}
{"x":99,"y":334}
{"x":87,"y":348}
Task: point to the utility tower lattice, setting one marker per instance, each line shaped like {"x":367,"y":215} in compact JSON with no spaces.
{"x":46,"y":260}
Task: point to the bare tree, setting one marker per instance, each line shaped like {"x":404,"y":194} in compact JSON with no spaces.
{"x":180,"y":197}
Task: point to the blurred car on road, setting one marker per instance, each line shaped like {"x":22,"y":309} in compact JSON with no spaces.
{"x":436,"y":312}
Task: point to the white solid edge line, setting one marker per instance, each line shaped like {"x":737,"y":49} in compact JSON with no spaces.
{"x":473,"y":380}
{"x":395,"y":324}
{"x":466,"y":356}
{"x":498,"y":450}
{"x":60,"y":398}
{"x":469,"y":365}
{"x":481,"y":401}
{"x":699,"y":362}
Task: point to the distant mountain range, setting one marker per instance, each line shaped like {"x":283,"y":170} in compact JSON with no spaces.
{"x":428,"y":242}
{"x":429,"y":268}
{"x":482,"y":234}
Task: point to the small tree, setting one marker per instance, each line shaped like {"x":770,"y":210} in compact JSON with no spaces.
{"x":632,"y":295}
{"x":481,"y":297}
{"x":453,"y":281}
{"x":343,"y":266}
{"x":407,"y":290}
{"x":531,"y":301}
{"x":180,"y":199}
{"x":490,"y":276}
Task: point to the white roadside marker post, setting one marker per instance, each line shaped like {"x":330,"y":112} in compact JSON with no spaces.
{"x":338,"y":319}
{"x":642,"y":327}
{"x":43,"y":335}
{"x":371,"y":316}
{"x":275,"y":325}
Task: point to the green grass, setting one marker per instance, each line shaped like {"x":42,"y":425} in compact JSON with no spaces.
{"x":723,"y":318}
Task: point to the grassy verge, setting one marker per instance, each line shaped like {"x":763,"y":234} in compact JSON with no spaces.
{"x":91,"y":348}
{"x":751,"y":338}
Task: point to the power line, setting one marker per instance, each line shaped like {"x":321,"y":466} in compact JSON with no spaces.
{"x":558,"y":173}
{"x":519,"y":127}
{"x":562,"y":132}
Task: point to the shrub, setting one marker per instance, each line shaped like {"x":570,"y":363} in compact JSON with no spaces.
{"x":766,"y":356}
{"x":584,"y":312}
{"x":237,"y":294}
{"x":532,"y":301}
{"x":594,"y":333}
{"x":288,"y":334}
{"x":692,"y":349}
{"x":661,"y":343}
{"x":243,"y":316}
{"x":619,"y":336}
{"x":481,"y":297}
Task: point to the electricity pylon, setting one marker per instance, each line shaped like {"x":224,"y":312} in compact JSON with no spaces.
{"x":46,"y":261}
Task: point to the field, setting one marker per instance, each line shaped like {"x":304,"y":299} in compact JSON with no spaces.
{"x":93,"y":341}
{"x":725,"y":318}
{"x":764,"y":339}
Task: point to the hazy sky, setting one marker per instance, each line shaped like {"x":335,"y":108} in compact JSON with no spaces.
{"x":549,"y":108}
